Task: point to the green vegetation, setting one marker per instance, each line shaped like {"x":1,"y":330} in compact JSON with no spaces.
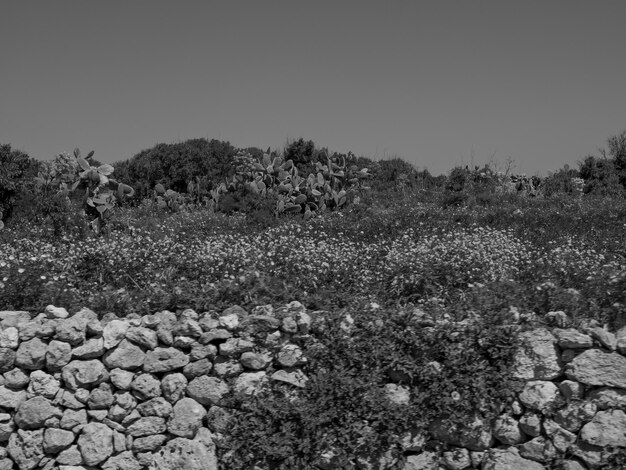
{"x":439,"y":274}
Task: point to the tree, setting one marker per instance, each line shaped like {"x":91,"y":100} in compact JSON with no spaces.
{"x":17,"y":171}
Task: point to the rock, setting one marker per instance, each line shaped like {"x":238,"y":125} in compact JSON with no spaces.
{"x":219,"y":419}
{"x":574,"y":415}
{"x":173,"y":387}
{"x":187,"y":327}
{"x":607,"y":428}
{"x":43,"y":384}
{"x":56,"y":440}
{"x":73,"y":418}
{"x":224,"y":367}
{"x":605,"y":338}
{"x":250,"y":383}
{"x":33,"y":413}
{"x":591,"y":455}
{"x":158,"y":406}
{"x":572,"y":465}
{"x":234,"y":347}
{"x":538,"y":357}
{"x":165,"y":360}
{"x":605,"y":398}
{"x":474,"y":436}
{"x":572,"y":339}
{"x":95,"y":443}
{"x":56,"y":312}
{"x":84,"y":374}
{"x":229,"y":321}
{"x":294,"y":377}
{"x":114,"y":332}
{"x":26,"y":448}
{"x":508,"y":459}
{"x":143,"y":337}
{"x":424,"y":461}
{"x":146,"y":386}
{"x":289,"y":325}
{"x":71,"y":330}
{"x":561,"y":438}
{"x":100,"y":398}
{"x":255,"y":361}
{"x":97,"y":415}
{"x":7,"y":359}
{"x":67,"y":399}
{"x":126,"y":355}
{"x":197,"y":368}
{"x":9,"y":338}
{"x":539,"y":395}
{"x":71,"y":456}
{"x":620,"y":341}
{"x":202,"y":351}
{"x":185,"y":454}
{"x":538,"y":449}
{"x":259,"y":324}
{"x":457,"y":459}
{"x":148,"y":443}
{"x":291,"y":355}
{"x":186,"y":418}
{"x":506,"y":430}
{"x":596,"y":367}
{"x":31,"y":355}
{"x":183,"y":342}
{"x":123,"y":461}
{"x":9,"y":318}
{"x":215,"y":334}
{"x":58,"y":355}
{"x":207,"y":390}
{"x":121,"y":378}
{"x":147,"y":426}
{"x":571,"y":390}
{"x":397,"y":394}
{"x":15,"y":379}
{"x":11,"y":399}
{"x":91,"y":349}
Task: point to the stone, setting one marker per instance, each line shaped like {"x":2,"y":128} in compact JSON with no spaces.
{"x":289,"y":325}
{"x":56,"y":312}
{"x":538,"y":357}
{"x":121,"y":378}
{"x":424,"y":461}
{"x":185,"y":454}
{"x":571,"y":390}
{"x":538,"y":449}
{"x":259,"y":324}
{"x":575,"y":414}
{"x":216,"y":334}
{"x":218,"y":419}
{"x":95,"y":443}
{"x":197,"y":368}
{"x":224,"y":367}
{"x":114,"y":332}
{"x":147,"y":426}
{"x":100,"y":398}
{"x":92,"y":349}
{"x":397,"y":394}
{"x":84,"y":374}
{"x":67,"y":399}
{"x":165,"y":360}
{"x":183,"y":342}
{"x":506,"y":429}
{"x":604,"y":337}
{"x":122,"y":461}
{"x":591,"y":455}
{"x":71,"y":330}
{"x":7,"y":359}
{"x":43,"y":384}
{"x":255,"y":361}
{"x":26,"y":448}
{"x":143,"y":337}
{"x":572,"y":339}
{"x":290,"y":356}
{"x":97,"y":415}
{"x":607,"y":428}
{"x":202,"y":351}
{"x":9,"y":338}
{"x":229,"y":321}
{"x":186,"y":418}
{"x":608,"y":398}
{"x":146,"y":386}
{"x":539,"y":395}
{"x":561,"y":438}
{"x":207,"y":390}
{"x":476,"y":435}
{"x":158,"y":406}
{"x":457,"y":459}
{"x":10,"y":318}
{"x":31,"y":355}
{"x":58,"y":354}
{"x":33,"y":413}
{"x":234,"y":347}
{"x":148,"y":443}
{"x":293,"y":377}
{"x":7,"y":427}
{"x":620,"y":341}
{"x":173,"y":387}
{"x":187,"y":327}
{"x":597,"y":367}
{"x":572,"y":465}
{"x":125,"y":355}
{"x":56,"y":440}
{"x":15,"y":379}
{"x":11,"y":399}
{"x":508,"y":459}
{"x":250,"y":383}
{"x":71,"y":456}
{"x":73,"y":418}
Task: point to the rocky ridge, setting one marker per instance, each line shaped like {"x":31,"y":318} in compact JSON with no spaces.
{"x":78,"y":392}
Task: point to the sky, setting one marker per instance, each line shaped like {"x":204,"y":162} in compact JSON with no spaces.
{"x":438,"y":83}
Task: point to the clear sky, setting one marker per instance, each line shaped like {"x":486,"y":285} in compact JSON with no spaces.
{"x":435,"y":82}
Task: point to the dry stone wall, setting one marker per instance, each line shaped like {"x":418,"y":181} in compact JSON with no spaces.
{"x":78,"y":392}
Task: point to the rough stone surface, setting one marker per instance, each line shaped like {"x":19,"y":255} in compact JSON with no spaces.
{"x":95,"y":443}
{"x":26,"y":448}
{"x":207,"y":390}
{"x":508,"y":459}
{"x":143,"y":337}
{"x":146,"y":386}
{"x":114,"y":332}
{"x":125,"y":355}
{"x":572,"y":339}
{"x":56,"y":440}
{"x":173,"y":387}
{"x":81,"y":374}
{"x":185,"y":454}
{"x":58,"y":354}
{"x":7,"y":359}
{"x":605,"y":398}
{"x":186,"y":418}
{"x":11,"y":399}
{"x":31,"y":354}
{"x":539,"y":394}
{"x":165,"y":360}
{"x":538,"y":357}
{"x":596,"y":367}
{"x":33,"y":413}
{"x":607,"y":428}
{"x":506,"y":429}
